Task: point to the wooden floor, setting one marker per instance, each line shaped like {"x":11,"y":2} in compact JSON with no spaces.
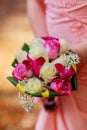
{"x":14,"y":31}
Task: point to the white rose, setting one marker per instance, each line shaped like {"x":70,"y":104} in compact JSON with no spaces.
{"x":63,"y":46}
{"x":21,"y":55}
{"x":34,"y":85}
{"x":47,"y":72}
{"x":37,"y":42}
{"x":37,"y":52}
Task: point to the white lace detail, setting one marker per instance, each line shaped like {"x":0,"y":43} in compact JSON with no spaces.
{"x":62,"y":3}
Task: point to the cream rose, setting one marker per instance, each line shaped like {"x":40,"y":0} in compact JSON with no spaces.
{"x":37,"y":42}
{"x":21,"y":55}
{"x":37,"y":52}
{"x":47,"y":72}
{"x":63,"y":46}
{"x":34,"y":85}
{"x":37,"y":49}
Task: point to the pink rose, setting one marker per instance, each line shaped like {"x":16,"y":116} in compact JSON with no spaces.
{"x":51,"y":46}
{"x":61,"y":86}
{"x":19,"y":72}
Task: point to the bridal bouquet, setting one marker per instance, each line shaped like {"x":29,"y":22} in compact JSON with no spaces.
{"x":45,"y":68}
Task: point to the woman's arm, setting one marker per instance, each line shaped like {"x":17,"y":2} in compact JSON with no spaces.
{"x":36,"y":14}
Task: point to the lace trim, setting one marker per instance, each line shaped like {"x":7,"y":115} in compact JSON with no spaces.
{"x":62,"y":3}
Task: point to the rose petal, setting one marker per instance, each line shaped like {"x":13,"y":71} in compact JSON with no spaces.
{"x":40,"y":61}
{"x":60,"y":68}
{"x":36,"y":70}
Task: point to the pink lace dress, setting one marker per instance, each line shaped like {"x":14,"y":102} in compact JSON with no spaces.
{"x":68,"y":19}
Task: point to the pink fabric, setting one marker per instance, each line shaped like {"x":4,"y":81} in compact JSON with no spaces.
{"x":73,"y":19}
{"x":68,"y":19}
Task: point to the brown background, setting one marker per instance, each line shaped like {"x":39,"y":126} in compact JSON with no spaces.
{"x":14,"y":31}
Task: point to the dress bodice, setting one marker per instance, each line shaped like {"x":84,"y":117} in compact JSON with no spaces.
{"x":70,"y":15}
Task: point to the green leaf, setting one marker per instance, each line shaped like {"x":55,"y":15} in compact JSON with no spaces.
{"x":12,"y":80}
{"x":25,"y":47}
{"x":74,"y":83}
{"x":51,"y":93}
{"x":14,"y":62}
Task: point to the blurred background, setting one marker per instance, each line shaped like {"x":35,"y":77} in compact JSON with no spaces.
{"x":14,"y":31}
